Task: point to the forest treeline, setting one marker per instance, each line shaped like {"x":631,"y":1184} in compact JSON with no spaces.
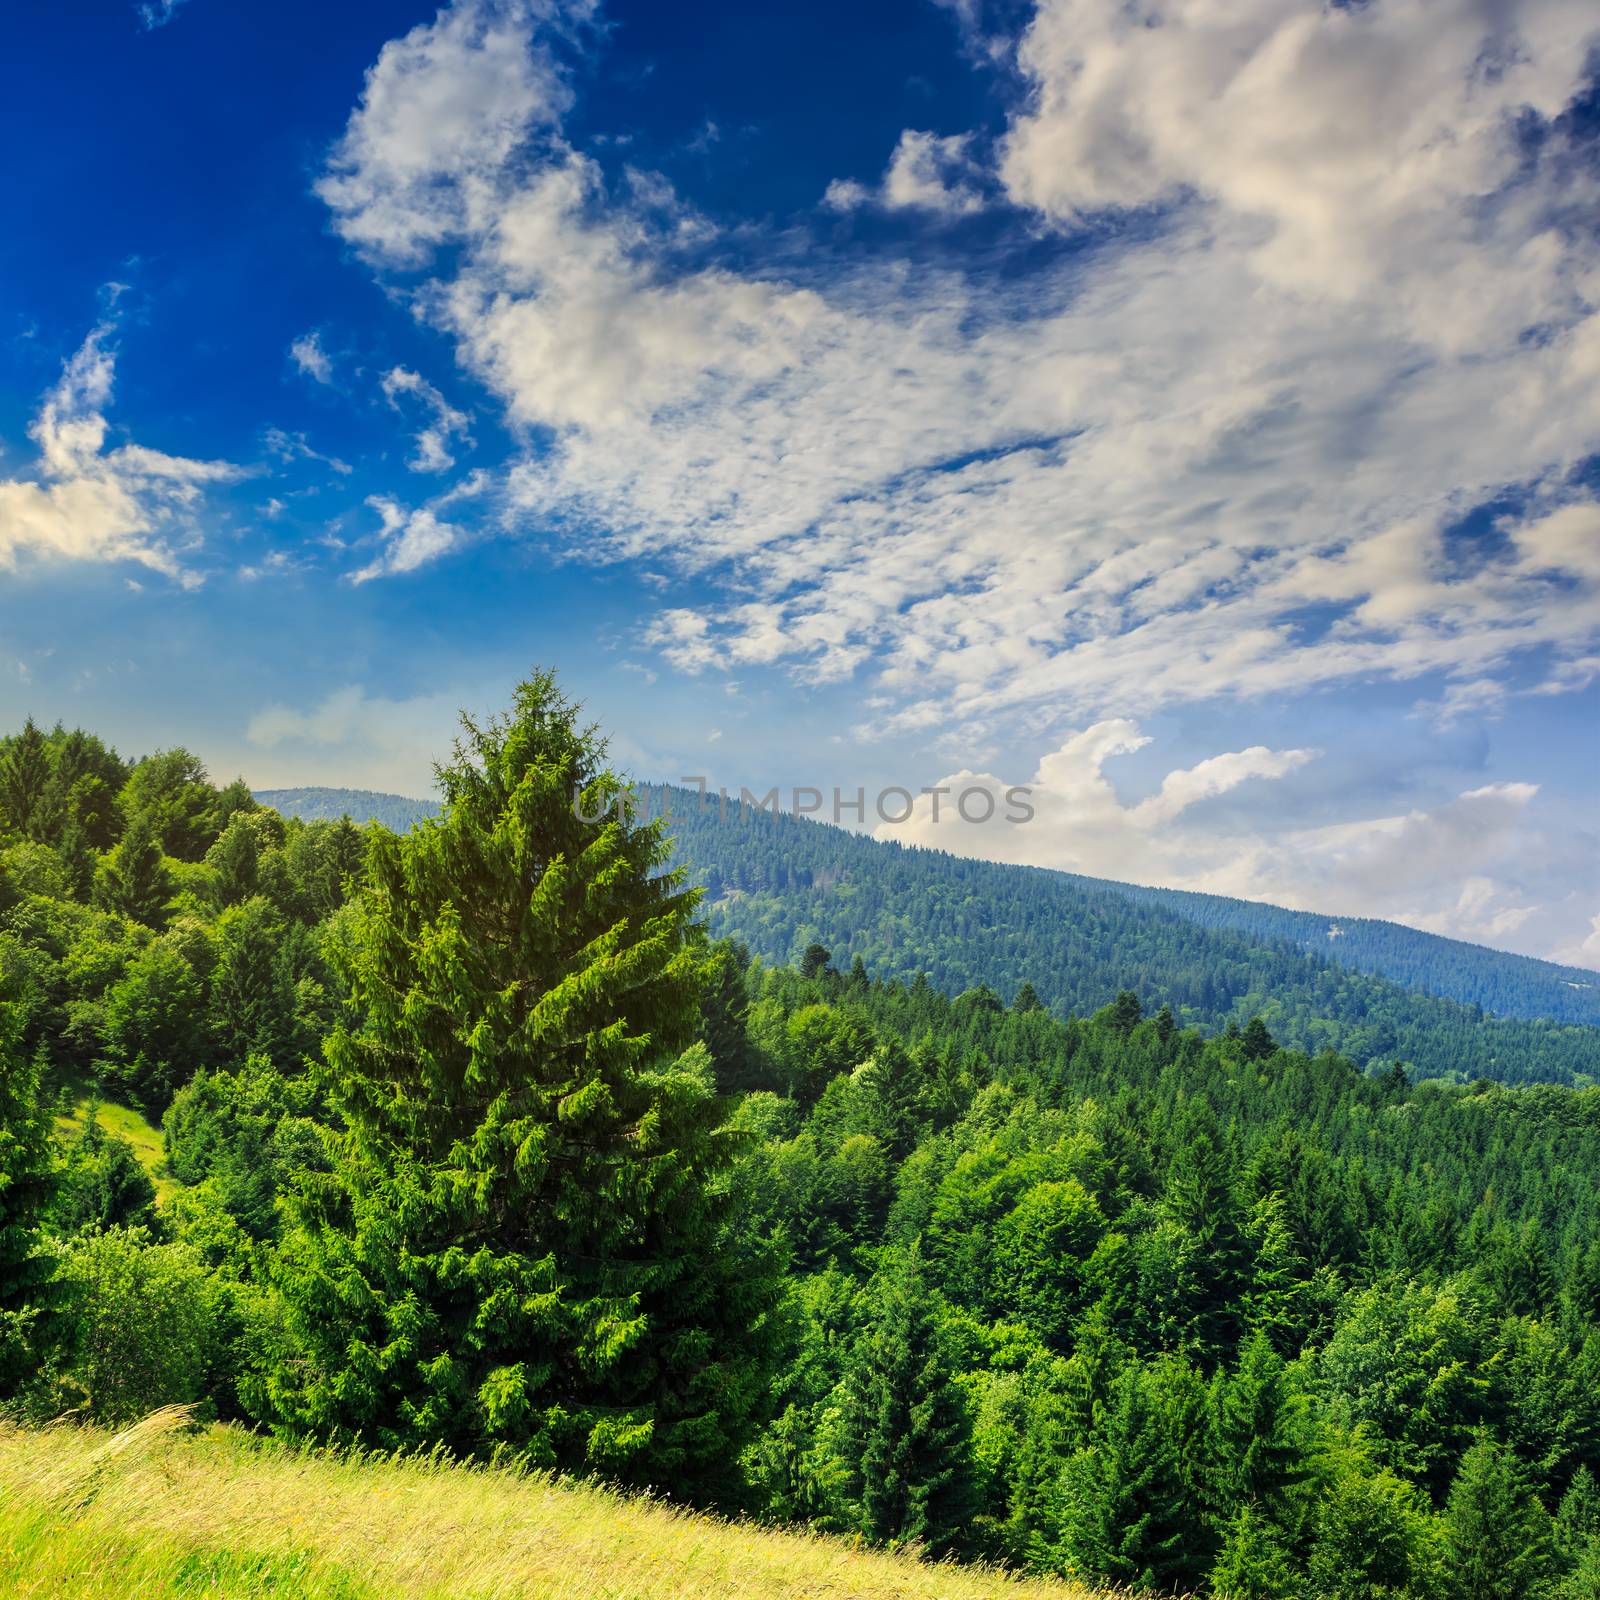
{"x":477,"y":1139}
{"x":779,"y":884}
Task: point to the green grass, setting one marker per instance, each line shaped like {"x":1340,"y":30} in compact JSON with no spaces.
{"x":127,"y":1124}
{"x":163,"y":1512}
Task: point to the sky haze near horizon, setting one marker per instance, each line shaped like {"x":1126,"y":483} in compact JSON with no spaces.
{"x":1191,"y":411}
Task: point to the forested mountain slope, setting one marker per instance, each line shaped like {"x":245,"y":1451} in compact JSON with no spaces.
{"x":1506,"y":984}
{"x":473,"y":1142}
{"x":394,"y":811}
{"x":782,"y":883}
{"x":1378,"y":992}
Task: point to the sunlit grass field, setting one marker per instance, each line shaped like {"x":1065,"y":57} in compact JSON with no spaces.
{"x":161,"y":1511}
{"x":144,"y":1136}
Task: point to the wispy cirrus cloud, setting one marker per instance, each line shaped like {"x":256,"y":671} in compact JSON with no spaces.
{"x":88,"y":500}
{"x":155,"y":14}
{"x":432,"y":454}
{"x":1220,"y":452}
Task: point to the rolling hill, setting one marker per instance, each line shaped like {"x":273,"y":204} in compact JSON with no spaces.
{"x":1375,"y":991}
{"x":160,"y":1512}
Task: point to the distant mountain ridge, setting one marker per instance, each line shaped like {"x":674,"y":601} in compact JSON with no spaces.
{"x":1431,"y":963}
{"x":395,"y":811}
{"x":1378,"y":991}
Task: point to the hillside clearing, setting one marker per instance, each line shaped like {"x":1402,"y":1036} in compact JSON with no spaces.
{"x":160,"y":1511}
{"x":123,"y":1123}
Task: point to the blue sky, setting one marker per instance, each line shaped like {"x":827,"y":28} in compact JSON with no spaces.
{"x":1194,"y":418}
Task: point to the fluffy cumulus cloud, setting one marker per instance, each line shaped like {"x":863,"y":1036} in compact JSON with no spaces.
{"x":1221,"y":452}
{"x":925,"y":173}
{"x":1300,"y":287}
{"x":410,"y":539}
{"x":310,"y":358}
{"x":89,"y":500}
{"x":1477,"y":865}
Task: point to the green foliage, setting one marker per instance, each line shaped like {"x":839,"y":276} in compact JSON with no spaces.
{"x":785,"y":885}
{"x":1134,"y":1499}
{"x":1255,"y":1562}
{"x":1102,"y":1296}
{"x":28,"y":1294}
{"x":521,"y":1244}
{"x":153,"y":1025}
{"x":905,"y":1425}
{"x":134,"y":879}
{"x":247,"y":1134}
{"x":1497,"y":1535}
{"x":102,"y":1184}
{"x":168,"y":796}
{"x":145,"y":1319}
{"x":1374,"y":1539}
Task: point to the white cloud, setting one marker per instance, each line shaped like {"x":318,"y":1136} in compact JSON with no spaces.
{"x":846,"y":194}
{"x":1474,"y":866}
{"x":88,"y":502}
{"x":1379,"y":148}
{"x":313,"y":361}
{"x":925,"y":173}
{"x":296,"y":447}
{"x":390,"y":744}
{"x":158,"y":13}
{"x":432,"y":453}
{"x":443,"y":111}
{"x":1219,"y":452}
{"x":411,"y":538}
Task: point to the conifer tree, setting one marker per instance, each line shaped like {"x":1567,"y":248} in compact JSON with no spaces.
{"x":522,"y":1244}
{"x":1577,"y":1538}
{"x":1124,"y":1013}
{"x":1200,"y":1196}
{"x":1255,"y":1562}
{"x":1497,"y":1535}
{"x":906,"y":1423}
{"x":816,"y":962}
{"x":1135,"y":1511}
{"x":134,"y":879}
{"x":78,"y":859}
{"x":236,"y":860}
{"x":25,"y":782}
{"x":1027,"y":1000}
{"x":1256,"y":1433}
{"x":1256,"y":1044}
{"x":724,"y":1008}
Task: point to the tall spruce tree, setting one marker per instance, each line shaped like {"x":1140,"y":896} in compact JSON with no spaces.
{"x":1497,"y":1535}
{"x":25,"y":783}
{"x":907,"y":1426}
{"x":134,"y":879}
{"x":1256,"y":1433}
{"x":522,"y":1244}
{"x":1135,"y":1506}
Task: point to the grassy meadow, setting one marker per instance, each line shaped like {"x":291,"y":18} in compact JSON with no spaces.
{"x":162,"y":1511}
{"x":121,"y":1122}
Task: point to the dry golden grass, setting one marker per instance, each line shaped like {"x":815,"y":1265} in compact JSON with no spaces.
{"x":159,"y":1511}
